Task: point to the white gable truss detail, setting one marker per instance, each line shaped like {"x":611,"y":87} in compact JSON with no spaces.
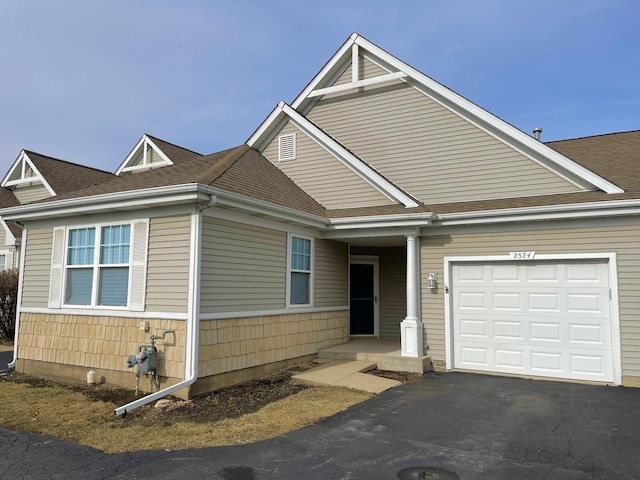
{"x":494,"y":126}
{"x":266,"y":132}
{"x":139,"y":158}
{"x":24,"y":172}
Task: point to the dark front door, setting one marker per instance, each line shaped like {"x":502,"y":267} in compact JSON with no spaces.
{"x":362,"y":299}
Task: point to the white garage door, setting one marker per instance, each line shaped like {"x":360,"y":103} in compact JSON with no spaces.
{"x":549,"y":319}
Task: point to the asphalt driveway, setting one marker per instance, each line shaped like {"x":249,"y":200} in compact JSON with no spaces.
{"x":471,"y":426}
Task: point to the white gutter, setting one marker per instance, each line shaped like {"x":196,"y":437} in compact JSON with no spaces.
{"x":106,"y":202}
{"x":191,"y":350}
{"x":19,"y":299}
{"x":394,"y":220}
{"x":548,"y":212}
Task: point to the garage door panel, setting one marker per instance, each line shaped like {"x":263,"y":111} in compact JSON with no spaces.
{"x":549,"y":319}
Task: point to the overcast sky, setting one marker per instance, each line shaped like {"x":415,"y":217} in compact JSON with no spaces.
{"x":83,"y":80}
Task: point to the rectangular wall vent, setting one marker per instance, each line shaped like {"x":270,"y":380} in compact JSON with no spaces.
{"x":287,"y":147}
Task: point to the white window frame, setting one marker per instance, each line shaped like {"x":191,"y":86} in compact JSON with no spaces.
{"x":96,"y":266}
{"x":311,"y":270}
{"x":8,"y":260}
{"x":138,"y":255}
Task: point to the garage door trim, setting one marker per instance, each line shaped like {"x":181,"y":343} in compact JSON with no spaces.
{"x":613,"y":285}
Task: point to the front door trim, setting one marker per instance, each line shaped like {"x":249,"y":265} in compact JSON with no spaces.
{"x":613,"y":286}
{"x":375,"y":261}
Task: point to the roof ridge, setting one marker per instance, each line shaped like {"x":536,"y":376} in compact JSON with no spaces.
{"x":221,"y":166}
{"x":174,"y":144}
{"x":88,"y":167}
{"x":593,"y":136}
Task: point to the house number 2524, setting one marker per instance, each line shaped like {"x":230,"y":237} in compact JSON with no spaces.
{"x":522,"y":255}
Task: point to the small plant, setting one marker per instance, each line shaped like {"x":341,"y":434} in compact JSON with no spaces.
{"x":8,"y":302}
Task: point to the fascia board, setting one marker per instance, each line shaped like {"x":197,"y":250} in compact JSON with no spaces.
{"x":5,"y":179}
{"x":382,"y":221}
{"x":40,"y":176}
{"x":24,"y":157}
{"x":264,"y":127}
{"x":107,"y":202}
{"x":252,"y":205}
{"x":344,"y":50}
{"x":370,"y":175}
{"x":131,"y":153}
{"x":490,"y":119}
{"x":159,"y":151}
{"x":551,"y":212}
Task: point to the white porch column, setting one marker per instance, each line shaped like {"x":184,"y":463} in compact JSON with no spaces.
{"x":411,"y":326}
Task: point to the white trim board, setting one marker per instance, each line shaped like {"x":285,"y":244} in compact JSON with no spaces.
{"x":526,"y":144}
{"x":611,"y":259}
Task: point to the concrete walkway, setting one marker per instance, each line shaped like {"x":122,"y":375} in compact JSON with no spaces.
{"x":344,"y":373}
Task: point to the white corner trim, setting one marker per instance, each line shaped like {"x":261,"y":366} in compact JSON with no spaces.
{"x":350,"y":160}
{"x":611,"y":259}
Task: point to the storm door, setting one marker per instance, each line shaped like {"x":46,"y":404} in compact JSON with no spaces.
{"x":364,"y":297}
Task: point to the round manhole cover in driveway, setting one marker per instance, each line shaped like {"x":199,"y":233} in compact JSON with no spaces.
{"x":426,"y":473}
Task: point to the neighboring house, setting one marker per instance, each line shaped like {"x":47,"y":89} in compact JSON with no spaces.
{"x":378,"y":203}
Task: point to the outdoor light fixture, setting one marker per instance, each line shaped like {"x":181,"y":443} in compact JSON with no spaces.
{"x":432,"y":281}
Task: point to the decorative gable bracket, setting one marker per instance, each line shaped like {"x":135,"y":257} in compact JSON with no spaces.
{"x":146,"y":155}
{"x":24,"y":172}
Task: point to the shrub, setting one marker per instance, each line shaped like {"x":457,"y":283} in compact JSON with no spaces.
{"x":8,"y":302}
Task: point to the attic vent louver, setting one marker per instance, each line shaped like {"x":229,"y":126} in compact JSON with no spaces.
{"x":287,"y":147}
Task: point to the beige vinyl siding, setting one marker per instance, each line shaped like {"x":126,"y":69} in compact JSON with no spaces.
{"x":37,"y":268}
{"x":168,"y":264}
{"x":331,"y":274}
{"x":325,"y":178}
{"x":393,"y":296}
{"x":243,"y":267}
{"x":622,"y":240}
{"x":31,"y":193}
{"x":367,"y":69}
{"x":428,"y":150}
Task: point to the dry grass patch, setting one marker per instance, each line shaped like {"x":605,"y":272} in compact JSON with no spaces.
{"x":83,"y":417}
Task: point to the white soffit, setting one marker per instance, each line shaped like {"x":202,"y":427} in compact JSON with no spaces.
{"x":17,"y":174}
{"x":501,"y":130}
{"x":141,"y":148}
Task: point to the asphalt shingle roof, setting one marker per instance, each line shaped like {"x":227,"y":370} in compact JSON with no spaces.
{"x":247,"y":172}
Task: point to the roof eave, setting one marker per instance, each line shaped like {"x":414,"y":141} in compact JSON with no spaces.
{"x":542,"y":213}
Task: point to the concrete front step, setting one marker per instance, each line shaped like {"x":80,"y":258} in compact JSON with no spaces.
{"x":344,"y":373}
{"x":385,"y":354}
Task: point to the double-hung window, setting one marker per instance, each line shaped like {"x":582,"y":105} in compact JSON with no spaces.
{"x":97,"y":266}
{"x":300,"y":274}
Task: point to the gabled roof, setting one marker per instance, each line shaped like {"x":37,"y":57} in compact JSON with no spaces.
{"x":150,"y":153}
{"x":57,"y":176}
{"x":241,"y":170}
{"x":348,"y":56}
{"x":65,"y":176}
{"x":365,"y":171}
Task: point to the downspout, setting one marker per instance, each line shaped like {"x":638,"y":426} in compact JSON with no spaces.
{"x":193,"y":317}
{"x":22,"y":252}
